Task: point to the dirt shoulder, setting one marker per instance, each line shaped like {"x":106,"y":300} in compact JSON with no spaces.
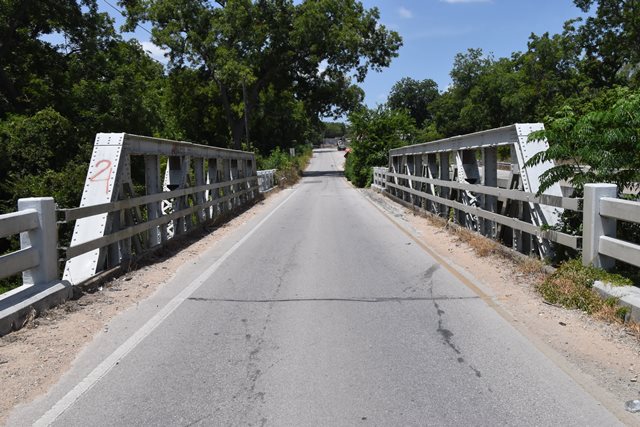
{"x":607,"y":353}
{"x":35,"y":357}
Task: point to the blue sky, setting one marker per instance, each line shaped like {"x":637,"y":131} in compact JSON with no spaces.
{"x":433,"y":32}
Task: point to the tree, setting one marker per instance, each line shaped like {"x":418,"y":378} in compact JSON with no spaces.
{"x":247,"y":47}
{"x":611,"y":40}
{"x":600,"y":146}
{"x":32,"y":71}
{"x":375,"y":132}
{"x":55,"y":96}
{"x":414,"y":96}
{"x":467,"y":69}
{"x":334,"y":129}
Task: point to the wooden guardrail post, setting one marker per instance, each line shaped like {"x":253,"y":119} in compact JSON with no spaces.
{"x":595,"y":225}
{"x":43,"y":238}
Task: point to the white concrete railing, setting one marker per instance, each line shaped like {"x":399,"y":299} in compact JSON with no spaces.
{"x":266,"y":180}
{"x":37,"y":258}
{"x":602,"y":210}
{"x":380,"y":178}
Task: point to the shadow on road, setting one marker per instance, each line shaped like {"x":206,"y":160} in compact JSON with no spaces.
{"x":322,"y":173}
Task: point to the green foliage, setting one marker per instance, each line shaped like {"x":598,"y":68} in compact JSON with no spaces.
{"x":334,"y":129}
{"x":374,"y":133}
{"x":610,"y":41}
{"x":248,"y":48}
{"x":414,"y":96}
{"x":600,"y":146}
{"x":571,"y":285}
{"x":288,"y":169}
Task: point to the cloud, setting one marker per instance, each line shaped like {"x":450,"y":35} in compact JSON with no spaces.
{"x":465,"y":1}
{"x":405,"y":13}
{"x":156,"y":52}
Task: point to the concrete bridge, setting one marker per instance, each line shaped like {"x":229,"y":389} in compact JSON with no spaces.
{"x":318,"y":311}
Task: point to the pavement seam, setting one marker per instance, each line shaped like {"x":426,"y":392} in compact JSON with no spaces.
{"x":357,"y":300}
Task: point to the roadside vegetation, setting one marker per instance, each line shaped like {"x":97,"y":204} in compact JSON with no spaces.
{"x":373,"y":134}
{"x":571,"y":286}
{"x":583,"y":83}
{"x":288,"y":169}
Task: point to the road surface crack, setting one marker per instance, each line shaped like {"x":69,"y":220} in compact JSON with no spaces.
{"x":447,"y":335}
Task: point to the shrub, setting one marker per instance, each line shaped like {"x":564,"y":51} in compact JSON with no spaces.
{"x":374,"y":133}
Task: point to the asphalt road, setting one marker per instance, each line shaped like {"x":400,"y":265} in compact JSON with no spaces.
{"x":319,"y":312}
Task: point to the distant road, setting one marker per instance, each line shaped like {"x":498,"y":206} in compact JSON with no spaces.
{"x":321,"y":314}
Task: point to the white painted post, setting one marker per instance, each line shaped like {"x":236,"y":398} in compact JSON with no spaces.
{"x":44,"y":239}
{"x":595,"y":225}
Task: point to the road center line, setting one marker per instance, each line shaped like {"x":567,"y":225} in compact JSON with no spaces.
{"x":131,"y":343}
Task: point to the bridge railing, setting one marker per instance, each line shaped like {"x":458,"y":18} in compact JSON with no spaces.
{"x":141,"y":192}
{"x":380,"y":178}
{"x":36,"y":259}
{"x":266,"y":180}
{"x":460,"y":179}
{"x":602,"y":211}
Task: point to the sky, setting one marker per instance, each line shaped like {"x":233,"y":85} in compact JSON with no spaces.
{"x":434,"y":31}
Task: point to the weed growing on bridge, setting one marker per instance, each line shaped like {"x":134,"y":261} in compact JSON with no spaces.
{"x":481,"y":245}
{"x":572,"y":287}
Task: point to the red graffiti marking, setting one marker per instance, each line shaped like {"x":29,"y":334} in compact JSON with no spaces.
{"x":95,"y":176}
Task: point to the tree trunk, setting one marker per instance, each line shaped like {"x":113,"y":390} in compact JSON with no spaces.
{"x":236,"y":125}
{"x":237,"y":132}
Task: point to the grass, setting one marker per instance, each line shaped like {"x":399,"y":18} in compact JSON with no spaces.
{"x":572,"y":287}
{"x":10,"y":283}
{"x":481,"y":245}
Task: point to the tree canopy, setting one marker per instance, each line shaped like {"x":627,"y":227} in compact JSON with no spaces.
{"x":583,"y":83}
{"x":258,"y":72}
{"x":253,"y":50}
{"x":415,"y":96}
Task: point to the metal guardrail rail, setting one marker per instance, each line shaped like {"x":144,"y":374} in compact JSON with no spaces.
{"x":183,"y":186}
{"x":114,"y":223}
{"x":457,"y":178}
{"x":266,"y":180}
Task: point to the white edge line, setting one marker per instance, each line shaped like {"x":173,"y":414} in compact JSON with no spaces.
{"x":113,"y":359}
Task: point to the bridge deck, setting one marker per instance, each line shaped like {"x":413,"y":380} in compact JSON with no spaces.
{"x":319,"y":312}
